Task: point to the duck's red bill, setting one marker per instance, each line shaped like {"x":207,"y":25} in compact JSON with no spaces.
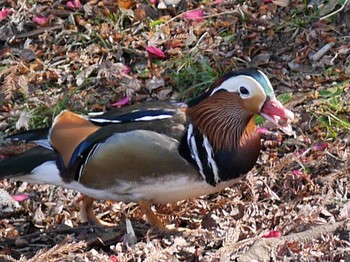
{"x":276,"y":113}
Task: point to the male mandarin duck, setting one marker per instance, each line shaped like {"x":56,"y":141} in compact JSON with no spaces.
{"x":155,"y":152}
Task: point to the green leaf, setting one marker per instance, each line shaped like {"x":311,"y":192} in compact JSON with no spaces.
{"x":157,"y":22}
{"x":332,"y":91}
{"x":284,"y":98}
{"x":259,"y":120}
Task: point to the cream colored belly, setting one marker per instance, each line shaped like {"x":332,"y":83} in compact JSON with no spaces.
{"x":159,"y":191}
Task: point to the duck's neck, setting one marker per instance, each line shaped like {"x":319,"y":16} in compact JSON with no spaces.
{"x":224,"y":137}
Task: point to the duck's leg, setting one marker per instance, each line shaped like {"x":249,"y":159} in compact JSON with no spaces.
{"x":152,"y":218}
{"x":86,"y":213}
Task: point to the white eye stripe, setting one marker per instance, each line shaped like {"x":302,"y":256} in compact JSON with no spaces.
{"x":234,"y":83}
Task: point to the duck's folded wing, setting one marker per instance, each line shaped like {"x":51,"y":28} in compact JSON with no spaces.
{"x":129,"y":148}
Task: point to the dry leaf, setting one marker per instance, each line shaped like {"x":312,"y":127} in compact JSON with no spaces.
{"x":39,"y":217}
{"x":126,"y":4}
{"x":154,"y":83}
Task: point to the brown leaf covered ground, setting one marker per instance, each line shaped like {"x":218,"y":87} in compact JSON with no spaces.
{"x":57,"y":55}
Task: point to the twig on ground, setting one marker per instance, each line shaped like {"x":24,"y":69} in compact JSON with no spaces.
{"x":262,"y":249}
{"x":320,"y":53}
{"x":335,"y":12}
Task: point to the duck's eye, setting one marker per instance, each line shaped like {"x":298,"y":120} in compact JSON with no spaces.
{"x":244,"y":91}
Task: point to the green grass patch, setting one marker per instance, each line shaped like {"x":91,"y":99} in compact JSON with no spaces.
{"x":42,"y":115}
{"x":192,"y":74}
{"x":332,"y":110}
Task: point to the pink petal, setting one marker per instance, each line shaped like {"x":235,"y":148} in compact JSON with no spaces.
{"x":262,"y":130}
{"x":126,"y":70}
{"x":297,"y":173}
{"x":77,"y":4}
{"x":74,"y":4}
{"x":40,"y":20}
{"x":320,"y":146}
{"x":121,"y":102}
{"x":70,"y":5}
{"x":195,"y":15}
{"x":155,"y":52}
{"x":5,"y":13}
{"x":113,"y":258}
{"x":219,"y":2}
{"x":273,"y":233}
{"x":153,"y":2}
{"x":20,"y":197}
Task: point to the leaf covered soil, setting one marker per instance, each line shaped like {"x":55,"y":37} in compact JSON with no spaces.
{"x":92,"y":55}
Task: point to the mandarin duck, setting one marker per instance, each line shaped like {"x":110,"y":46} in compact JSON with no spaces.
{"x":154,"y":152}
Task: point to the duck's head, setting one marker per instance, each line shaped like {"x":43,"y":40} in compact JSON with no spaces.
{"x":243,"y":93}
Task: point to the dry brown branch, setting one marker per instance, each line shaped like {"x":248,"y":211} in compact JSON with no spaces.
{"x":63,"y":230}
{"x":320,"y":53}
{"x":335,"y":12}
{"x":57,"y":252}
{"x":262,"y":249}
{"x":38,"y":31}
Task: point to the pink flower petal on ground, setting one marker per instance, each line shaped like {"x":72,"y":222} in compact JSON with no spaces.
{"x":20,"y":197}
{"x":195,"y":15}
{"x":297,"y":173}
{"x":320,"y":146}
{"x":155,"y":52}
{"x":126,"y":70}
{"x":70,"y":5}
{"x":262,"y":130}
{"x":113,"y":258}
{"x":121,"y":102}
{"x":272,"y":233}
{"x":40,"y":20}
{"x":75,"y":4}
{"x":5,"y":13}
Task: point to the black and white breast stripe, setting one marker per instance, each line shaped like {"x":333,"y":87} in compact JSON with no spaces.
{"x":203,"y":155}
{"x":192,"y":145}
{"x":82,"y":165}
